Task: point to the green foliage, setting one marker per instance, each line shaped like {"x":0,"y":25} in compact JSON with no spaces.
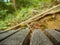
{"x":3,"y":14}
{"x":32,"y":3}
{"x":24,"y":14}
{"x":24,"y":11}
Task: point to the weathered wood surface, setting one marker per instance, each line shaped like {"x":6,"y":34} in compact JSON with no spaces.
{"x":57,"y":30}
{"x":25,"y":37}
{"x":7,"y":34}
{"x":3,"y":31}
{"x":17,"y":38}
{"x":39,"y":38}
{"x":54,"y":36}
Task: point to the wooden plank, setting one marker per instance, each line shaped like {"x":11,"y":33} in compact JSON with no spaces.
{"x":16,"y":39}
{"x":7,"y":34}
{"x":54,"y":36}
{"x":3,"y":31}
{"x":57,"y":30}
{"x":39,"y":38}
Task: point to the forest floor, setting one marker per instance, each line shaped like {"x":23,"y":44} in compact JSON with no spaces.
{"x":51,"y":21}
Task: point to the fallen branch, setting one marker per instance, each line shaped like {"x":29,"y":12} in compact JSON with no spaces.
{"x":35,"y":17}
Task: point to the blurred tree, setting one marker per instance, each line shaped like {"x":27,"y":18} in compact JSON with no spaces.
{"x":14,"y":4}
{"x":55,"y":2}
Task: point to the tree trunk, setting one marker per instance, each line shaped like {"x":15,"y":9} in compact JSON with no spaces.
{"x":54,"y":2}
{"x":14,"y":5}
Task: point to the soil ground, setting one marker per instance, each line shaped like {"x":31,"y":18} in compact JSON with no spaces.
{"x":48,"y":22}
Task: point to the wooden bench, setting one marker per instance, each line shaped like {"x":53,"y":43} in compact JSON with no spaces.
{"x":54,"y":36}
{"x":7,"y":34}
{"x":57,"y":30}
{"x":39,"y":38}
{"x":3,"y":31}
{"x":17,"y":38}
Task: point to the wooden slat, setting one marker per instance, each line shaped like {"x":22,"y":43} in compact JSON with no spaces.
{"x":16,"y":39}
{"x":57,"y":30}
{"x":54,"y":36}
{"x":3,"y":31}
{"x":39,"y":38}
{"x":7,"y":34}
